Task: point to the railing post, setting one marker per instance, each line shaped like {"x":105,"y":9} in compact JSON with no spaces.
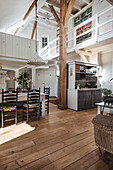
{"x":96,"y":28}
{"x":74,"y":45}
{"x":49,"y":51}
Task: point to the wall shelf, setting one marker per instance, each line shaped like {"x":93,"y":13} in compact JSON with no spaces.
{"x":83,"y":17}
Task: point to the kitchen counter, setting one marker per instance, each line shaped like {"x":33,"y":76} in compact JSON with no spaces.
{"x":88,"y":89}
{"x":81,"y":99}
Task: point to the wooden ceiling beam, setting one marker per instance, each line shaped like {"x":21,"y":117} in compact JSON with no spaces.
{"x":33,"y":31}
{"x":68,"y":12}
{"x":29,"y":10}
{"x":26,"y":15}
{"x":54,"y":14}
{"x":110,"y":1}
{"x":16,"y":30}
{"x":47,"y":10}
{"x":56,"y":4}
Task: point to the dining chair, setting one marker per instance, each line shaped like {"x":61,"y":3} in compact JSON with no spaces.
{"x":9,"y":106}
{"x":33,"y":104}
{"x":107,"y":102}
{"x":47,"y":93}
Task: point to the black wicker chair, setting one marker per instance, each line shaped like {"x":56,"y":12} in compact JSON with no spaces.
{"x":32,"y":108}
{"x":47,"y":93}
{"x":9,"y":106}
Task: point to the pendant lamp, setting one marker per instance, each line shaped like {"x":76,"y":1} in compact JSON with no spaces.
{"x":36,"y":59}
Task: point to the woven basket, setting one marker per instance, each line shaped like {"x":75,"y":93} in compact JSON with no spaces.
{"x":103,"y":132}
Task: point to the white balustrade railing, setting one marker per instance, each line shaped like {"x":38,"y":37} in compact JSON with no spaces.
{"x":52,"y":49}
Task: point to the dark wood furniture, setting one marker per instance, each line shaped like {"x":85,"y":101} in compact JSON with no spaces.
{"x":33,"y":104}
{"x":9,"y":106}
{"x":47,"y":93}
{"x":88,"y":98}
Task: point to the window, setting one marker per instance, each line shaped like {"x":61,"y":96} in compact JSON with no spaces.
{"x":44,"y":41}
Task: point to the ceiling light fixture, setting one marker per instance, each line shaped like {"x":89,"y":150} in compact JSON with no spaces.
{"x":36,"y":59}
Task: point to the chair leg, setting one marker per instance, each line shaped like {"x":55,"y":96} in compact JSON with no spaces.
{"x":23,"y":116}
{"x":16,"y":116}
{"x":27,"y":115}
{"x":39,"y":113}
{"x":36,"y":112}
{"x":48,"y":108}
{"x":2,"y":117}
{"x":40,"y":110}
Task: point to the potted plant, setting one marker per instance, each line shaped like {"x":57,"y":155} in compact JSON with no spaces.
{"x":19,"y":88}
{"x":78,"y":85}
{"x":106,"y":93}
{"x":22,"y":80}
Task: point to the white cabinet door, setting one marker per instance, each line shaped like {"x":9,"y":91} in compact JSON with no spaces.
{"x":50,"y":81}
{"x":9,"y":45}
{"x":40,"y":79}
{"x":3,"y":51}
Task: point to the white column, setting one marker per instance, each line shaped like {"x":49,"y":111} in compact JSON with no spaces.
{"x":16,"y":75}
{"x":33,"y":77}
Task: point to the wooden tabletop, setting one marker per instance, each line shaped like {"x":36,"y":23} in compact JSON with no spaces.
{"x":102,"y":104}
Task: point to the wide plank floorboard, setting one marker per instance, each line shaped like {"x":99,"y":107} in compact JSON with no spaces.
{"x":64,"y":139}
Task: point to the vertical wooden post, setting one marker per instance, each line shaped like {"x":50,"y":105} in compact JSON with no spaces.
{"x":62,"y":56}
{"x":65,"y":11}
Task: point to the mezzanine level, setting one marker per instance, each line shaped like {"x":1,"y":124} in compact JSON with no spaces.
{"x":96,"y":29}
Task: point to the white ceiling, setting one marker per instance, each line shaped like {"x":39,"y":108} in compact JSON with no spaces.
{"x":12,"y":11}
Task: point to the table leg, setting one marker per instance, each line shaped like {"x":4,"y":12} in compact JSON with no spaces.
{"x":43,"y":107}
{"x":99,"y":109}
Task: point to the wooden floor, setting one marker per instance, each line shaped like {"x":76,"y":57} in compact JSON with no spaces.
{"x":62,"y":140}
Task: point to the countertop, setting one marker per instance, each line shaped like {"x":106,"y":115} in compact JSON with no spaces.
{"x":85,"y":89}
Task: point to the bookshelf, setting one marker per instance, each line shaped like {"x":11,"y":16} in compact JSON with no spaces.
{"x":80,"y":19}
{"x":83,"y":17}
{"x":86,"y":75}
{"x":84,"y":28}
{"x":84,"y":38}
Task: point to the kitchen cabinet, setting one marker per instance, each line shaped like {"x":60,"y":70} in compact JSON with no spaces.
{"x":88,"y":98}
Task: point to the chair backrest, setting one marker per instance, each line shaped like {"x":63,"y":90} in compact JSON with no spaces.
{"x":109,"y":101}
{"x":47,"y":90}
{"x":33,"y":96}
{"x":9,"y":98}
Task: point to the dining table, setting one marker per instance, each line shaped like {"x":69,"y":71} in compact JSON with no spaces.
{"x":22,"y":98}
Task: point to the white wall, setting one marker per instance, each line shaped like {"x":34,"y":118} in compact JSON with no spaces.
{"x":47,"y":78}
{"x":107,"y":70}
{"x":11,"y":83}
{"x":45,"y":32}
{"x":99,"y":5}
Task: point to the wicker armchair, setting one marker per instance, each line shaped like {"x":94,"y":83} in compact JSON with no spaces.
{"x":103,"y":132}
